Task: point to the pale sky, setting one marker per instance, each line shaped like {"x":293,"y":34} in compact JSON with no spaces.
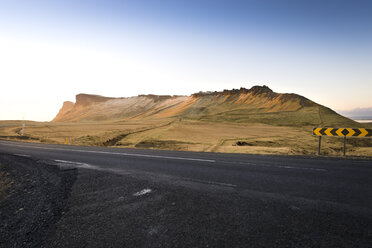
{"x":52,"y":50}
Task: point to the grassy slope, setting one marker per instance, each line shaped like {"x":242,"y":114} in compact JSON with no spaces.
{"x":266,"y":107}
{"x":314,"y":116}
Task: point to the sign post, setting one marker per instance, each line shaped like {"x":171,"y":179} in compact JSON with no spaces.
{"x":344,"y":146}
{"x":320,"y":143}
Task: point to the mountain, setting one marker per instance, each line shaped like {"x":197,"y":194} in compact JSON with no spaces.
{"x":256,"y":105}
{"x":358,"y":113}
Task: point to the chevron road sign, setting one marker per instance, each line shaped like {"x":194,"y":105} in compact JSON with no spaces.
{"x":342,"y":132}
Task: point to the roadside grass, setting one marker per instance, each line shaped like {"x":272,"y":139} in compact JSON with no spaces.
{"x":194,"y":135}
{"x":258,"y":139}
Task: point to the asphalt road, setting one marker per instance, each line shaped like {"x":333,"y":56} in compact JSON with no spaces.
{"x":152,"y":198}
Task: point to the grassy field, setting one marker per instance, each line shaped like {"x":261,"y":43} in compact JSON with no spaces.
{"x":87,"y":133}
{"x":188,"y":135}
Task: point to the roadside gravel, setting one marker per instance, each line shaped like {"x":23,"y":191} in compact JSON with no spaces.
{"x":35,"y":195}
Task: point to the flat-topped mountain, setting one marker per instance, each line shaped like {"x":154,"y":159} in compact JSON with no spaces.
{"x":256,"y":105}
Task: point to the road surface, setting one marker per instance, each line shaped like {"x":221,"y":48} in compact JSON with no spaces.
{"x":152,"y":198}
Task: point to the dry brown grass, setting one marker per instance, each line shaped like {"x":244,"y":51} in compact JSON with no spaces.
{"x":88,"y":133}
{"x":258,"y":138}
{"x":191,"y":135}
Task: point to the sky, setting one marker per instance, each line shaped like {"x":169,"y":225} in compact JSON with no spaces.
{"x":52,"y":50}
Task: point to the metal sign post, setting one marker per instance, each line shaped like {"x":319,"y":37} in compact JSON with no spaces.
{"x":320,"y":143}
{"x":344,"y":146}
{"x":23,"y":127}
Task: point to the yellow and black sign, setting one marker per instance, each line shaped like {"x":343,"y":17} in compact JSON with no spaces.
{"x":342,"y":132}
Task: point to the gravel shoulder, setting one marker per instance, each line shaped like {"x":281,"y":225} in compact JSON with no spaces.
{"x":32,"y":201}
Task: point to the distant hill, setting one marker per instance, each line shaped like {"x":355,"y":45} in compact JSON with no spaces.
{"x":358,"y":113}
{"x":256,"y":105}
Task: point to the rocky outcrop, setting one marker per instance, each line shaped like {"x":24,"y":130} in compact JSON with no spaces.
{"x":254,"y":91}
{"x":67,"y":106}
{"x":86,"y":99}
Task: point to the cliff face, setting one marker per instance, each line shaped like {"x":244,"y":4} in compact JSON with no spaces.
{"x":99,"y":108}
{"x":258,"y":104}
{"x":84,"y":100}
{"x":67,"y":106}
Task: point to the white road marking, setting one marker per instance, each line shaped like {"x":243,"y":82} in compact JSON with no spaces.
{"x":275,"y":166}
{"x":22,"y":155}
{"x":119,"y":153}
{"x":75,"y":164}
{"x":300,"y":168}
{"x":142,"y":192}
